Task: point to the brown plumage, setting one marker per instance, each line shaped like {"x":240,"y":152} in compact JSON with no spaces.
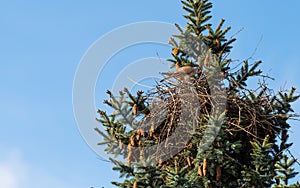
{"x":181,"y":73}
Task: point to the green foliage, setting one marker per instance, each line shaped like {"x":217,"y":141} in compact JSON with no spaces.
{"x":260,"y":172}
{"x":243,"y":146}
{"x":285,"y":172}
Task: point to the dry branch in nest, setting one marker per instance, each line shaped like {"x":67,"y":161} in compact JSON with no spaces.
{"x":179,"y":109}
{"x":185,"y":105}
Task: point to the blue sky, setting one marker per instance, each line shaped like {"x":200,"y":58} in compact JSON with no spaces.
{"x":41,"y":45}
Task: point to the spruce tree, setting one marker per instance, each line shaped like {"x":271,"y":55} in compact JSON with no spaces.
{"x":242,"y":144}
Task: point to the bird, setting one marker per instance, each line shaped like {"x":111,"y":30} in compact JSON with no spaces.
{"x":180,"y":73}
